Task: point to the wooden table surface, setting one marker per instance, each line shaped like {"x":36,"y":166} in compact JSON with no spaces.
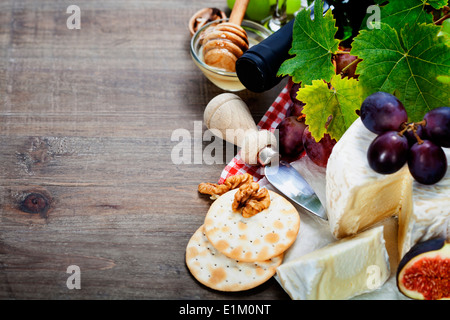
{"x":86,"y":173}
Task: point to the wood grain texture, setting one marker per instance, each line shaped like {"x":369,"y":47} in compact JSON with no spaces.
{"x":86,"y":175}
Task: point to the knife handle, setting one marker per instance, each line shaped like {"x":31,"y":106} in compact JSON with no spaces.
{"x":228,"y":117}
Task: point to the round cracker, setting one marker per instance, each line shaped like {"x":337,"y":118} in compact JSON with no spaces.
{"x":260,"y":237}
{"x":219,"y":272}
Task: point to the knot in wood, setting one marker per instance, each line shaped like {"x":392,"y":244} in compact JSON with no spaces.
{"x":36,"y":203}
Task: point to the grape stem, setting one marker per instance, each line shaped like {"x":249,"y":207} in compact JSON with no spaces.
{"x":413,"y":126}
{"x":341,"y":52}
{"x":445,"y":11}
{"x":301,"y":117}
{"x":349,"y":65}
{"x":404,"y":127}
{"x":438,"y":22}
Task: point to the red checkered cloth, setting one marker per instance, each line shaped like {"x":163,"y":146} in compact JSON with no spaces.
{"x":269,"y":121}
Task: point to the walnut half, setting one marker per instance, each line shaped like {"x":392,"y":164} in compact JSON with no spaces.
{"x":243,"y":195}
{"x":230,"y":183}
{"x":250,"y":198}
{"x":257,"y":203}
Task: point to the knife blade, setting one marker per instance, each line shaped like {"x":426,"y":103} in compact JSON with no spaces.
{"x":290,"y":182}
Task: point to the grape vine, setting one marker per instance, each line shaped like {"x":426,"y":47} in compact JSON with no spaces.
{"x":408,"y":56}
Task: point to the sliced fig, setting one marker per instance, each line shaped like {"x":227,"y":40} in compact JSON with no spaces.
{"x":424,"y":272}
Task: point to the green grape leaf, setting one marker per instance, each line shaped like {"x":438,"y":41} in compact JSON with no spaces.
{"x":330,"y":109}
{"x":313,"y":44}
{"x":405,"y":63}
{"x":397,"y":13}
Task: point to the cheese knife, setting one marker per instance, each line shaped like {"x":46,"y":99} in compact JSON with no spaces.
{"x":228,"y":117}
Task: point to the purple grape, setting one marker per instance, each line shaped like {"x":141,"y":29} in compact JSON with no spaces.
{"x":382,"y":112}
{"x":388,"y":152}
{"x":295,"y":110}
{"x":437,"y":127}
{"x":427,"y":162}
{"x":290,"y":137}
{"x":295,"y":86}
{"x":318,"y":152}
{"x":343,"y":60}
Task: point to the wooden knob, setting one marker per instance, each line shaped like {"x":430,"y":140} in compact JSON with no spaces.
{"x":228,"y":117}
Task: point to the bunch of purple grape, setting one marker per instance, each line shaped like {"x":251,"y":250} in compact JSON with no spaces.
{"x":398,"y":142}
{"x":295,"y":137}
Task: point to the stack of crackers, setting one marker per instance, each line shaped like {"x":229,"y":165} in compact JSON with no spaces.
{"x":232,"y":253}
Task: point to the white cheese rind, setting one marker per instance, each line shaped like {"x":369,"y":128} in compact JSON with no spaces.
{"x":341,"y":270}
{"x":427,"y":214}
{"x":356,"y":196}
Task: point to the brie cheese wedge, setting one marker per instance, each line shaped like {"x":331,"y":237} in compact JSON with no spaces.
{"x":340,"y":270}
{"x":357,"y":197}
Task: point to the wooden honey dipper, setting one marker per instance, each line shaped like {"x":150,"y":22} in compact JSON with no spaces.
{"x":224,"y":43}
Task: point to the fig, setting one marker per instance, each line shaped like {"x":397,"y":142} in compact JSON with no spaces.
{"x":424,"y":272}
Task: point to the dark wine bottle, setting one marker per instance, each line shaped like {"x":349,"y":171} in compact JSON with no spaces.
{"x":257,"y":68}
